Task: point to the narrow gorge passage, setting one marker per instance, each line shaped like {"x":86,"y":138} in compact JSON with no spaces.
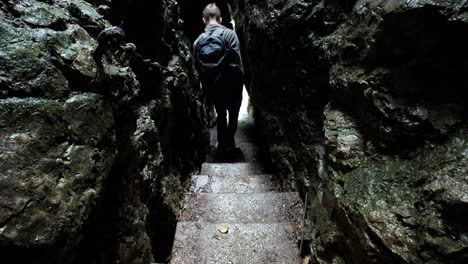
{"x":107,"y":139}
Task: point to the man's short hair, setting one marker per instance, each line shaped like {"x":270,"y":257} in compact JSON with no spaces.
{"x":211,"y":11}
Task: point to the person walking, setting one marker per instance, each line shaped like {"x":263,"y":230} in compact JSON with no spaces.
{"x":218,"y":60}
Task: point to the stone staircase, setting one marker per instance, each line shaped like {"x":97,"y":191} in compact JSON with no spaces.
{"x":235,"y":213}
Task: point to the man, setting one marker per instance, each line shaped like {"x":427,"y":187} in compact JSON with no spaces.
{"x":218,"y":61}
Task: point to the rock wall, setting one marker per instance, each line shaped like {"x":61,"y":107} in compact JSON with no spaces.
{"x":92,"y":170}
{"x":363,"y":108}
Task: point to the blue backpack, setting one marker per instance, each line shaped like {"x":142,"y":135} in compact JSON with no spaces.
{"x":211,"y":55}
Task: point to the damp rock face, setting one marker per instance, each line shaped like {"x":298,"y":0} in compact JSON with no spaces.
{"x":88,"y":164}
{"x":56,"y":156}
{"x":363,"y":107}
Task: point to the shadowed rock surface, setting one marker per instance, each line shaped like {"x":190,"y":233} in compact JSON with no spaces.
{"x":363,"y":107}
{"x":92,"y":171}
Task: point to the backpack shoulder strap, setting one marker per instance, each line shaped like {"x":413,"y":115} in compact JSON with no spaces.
{"x":221,"y":34}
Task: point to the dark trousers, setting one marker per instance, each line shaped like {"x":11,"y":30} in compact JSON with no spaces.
{"x":227,"y":99}
{"x":226,"y":129}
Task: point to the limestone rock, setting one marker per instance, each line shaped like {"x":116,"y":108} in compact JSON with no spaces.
{"x":56,"y":157}
{"x":93,"y":169}
{"x":363,"y":106}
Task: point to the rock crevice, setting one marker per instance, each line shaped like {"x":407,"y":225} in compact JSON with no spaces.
{"x":361,"y":104}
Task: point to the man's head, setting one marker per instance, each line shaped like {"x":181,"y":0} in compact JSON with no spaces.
{"x":212,"y":14}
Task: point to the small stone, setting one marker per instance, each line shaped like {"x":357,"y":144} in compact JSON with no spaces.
{"x":104,"y":10}
{"x":223,"y":228}
{"x":375,"y":217}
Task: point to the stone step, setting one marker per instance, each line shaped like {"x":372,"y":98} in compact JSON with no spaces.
{"x":243,"y":208}
{"x":252,"y":243}
{"x":234,"y":184}
{"x":244,"y":136}
{"x":231,"y":169}
{"x":249,"y":151}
